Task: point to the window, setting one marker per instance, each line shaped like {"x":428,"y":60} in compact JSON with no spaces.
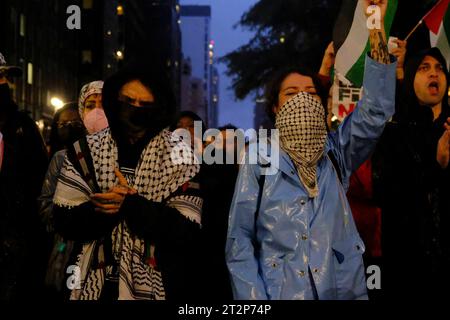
{"x":22,"y":25}
{"x":86,"y":56}
{"x":88,"y":4}
{"x":30,"y":73}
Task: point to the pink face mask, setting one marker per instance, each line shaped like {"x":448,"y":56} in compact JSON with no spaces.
{"x":95,"y":120}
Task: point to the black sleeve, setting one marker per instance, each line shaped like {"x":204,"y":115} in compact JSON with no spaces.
{"x":151,"y":220}
{"x":176,"y":240}
{"x":144,"y":217}
{"x":82,"y":223}
{"x":34,"y":148}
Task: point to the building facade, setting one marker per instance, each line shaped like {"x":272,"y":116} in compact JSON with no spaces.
{"x":151,"y":30}
{"x":57,"y":60}
{"x":35,"y":37}
{"x":198,"y":49}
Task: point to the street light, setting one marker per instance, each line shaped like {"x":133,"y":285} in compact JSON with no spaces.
{"x":119,"y":54}
{"x":119,"y":10}
{"x":57,"y":103}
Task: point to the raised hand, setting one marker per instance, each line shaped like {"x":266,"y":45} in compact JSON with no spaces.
{"x":377,"y":36}
{"x":380,"y":3}
{"x":328,"y":60}
{"x":443,"y":151}
{"x":399,"y":52}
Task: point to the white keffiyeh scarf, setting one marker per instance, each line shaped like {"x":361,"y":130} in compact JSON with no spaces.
{"x":157,"y":176}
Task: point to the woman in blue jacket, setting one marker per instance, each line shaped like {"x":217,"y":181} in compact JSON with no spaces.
{"x":291,"y":234}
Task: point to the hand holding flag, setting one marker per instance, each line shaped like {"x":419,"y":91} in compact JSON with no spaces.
{"x":377,"y":35}
{"x":382,"y":5}
{"x":350,"y":37}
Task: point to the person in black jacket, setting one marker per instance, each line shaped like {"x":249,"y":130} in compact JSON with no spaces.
{"x":413,"y":179}
{"x":218,"y":181}
{"x":23,"y":162}
{"x":136,"y":212}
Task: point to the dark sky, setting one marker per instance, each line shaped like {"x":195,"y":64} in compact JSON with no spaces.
{"x":225,"y":14}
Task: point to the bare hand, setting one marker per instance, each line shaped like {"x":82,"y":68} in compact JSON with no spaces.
{"x":123,"y":182}
{"x":111,"y":201}
{"x":443,"y":150}
{"x":381,"y":3}
{"x":399,"y":52}
{"x":328,"y":60}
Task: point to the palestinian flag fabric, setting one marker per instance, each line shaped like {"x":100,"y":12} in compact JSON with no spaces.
{"x":438,"y":22}
{"x":351,"y":39}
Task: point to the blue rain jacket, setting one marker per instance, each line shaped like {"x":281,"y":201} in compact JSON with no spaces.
{"x":298,"y":247}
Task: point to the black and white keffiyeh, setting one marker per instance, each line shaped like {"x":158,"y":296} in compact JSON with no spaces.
{"x":303,"y":132}
{"x":157,"y":175}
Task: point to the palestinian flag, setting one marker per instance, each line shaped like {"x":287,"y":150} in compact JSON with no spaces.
{"x":351,"y":39}
{"x":438,"y":22}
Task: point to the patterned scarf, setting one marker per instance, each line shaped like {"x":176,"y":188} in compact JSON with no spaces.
{"x":156,"y":177}
{"x":301,"y":124}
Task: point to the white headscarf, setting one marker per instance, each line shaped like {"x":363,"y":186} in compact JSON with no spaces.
{"x":88,"y":89}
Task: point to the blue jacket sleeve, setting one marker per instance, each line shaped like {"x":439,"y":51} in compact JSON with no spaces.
{"x":242,"y":263}
{"x":358,"y":134}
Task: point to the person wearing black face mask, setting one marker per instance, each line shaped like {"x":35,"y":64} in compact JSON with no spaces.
{"x":136,"y":237}
{"x":67,"y":127}
{"x":23,"y":164}
{"x":135,"y":119}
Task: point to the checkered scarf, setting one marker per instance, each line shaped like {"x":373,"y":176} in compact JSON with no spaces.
{"x":158,"y":175}
{"x":301,"y":124}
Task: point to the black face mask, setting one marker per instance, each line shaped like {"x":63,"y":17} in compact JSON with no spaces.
{"x":71,"y":132}
{"x":141,"y":121}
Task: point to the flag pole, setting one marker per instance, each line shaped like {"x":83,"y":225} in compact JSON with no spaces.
{"x":412,"y":31}
{"x":421,"y":20}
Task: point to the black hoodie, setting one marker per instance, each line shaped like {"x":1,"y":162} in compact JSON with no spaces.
{"x":155,"y":78}
{"x":410,"y":185}
{"x":409,"y":110}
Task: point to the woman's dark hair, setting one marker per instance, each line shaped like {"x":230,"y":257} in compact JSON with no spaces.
{"x":154,"y":77}
{"x":273,"y":87}
{"x":54,"y":141}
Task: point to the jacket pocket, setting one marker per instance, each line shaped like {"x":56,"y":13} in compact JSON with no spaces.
{"x":349,"y":269}
{"x":273,"y":275}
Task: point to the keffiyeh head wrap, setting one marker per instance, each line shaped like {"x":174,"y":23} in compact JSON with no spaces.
{"x":302,"y":129}
{"x":88,"y":89}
